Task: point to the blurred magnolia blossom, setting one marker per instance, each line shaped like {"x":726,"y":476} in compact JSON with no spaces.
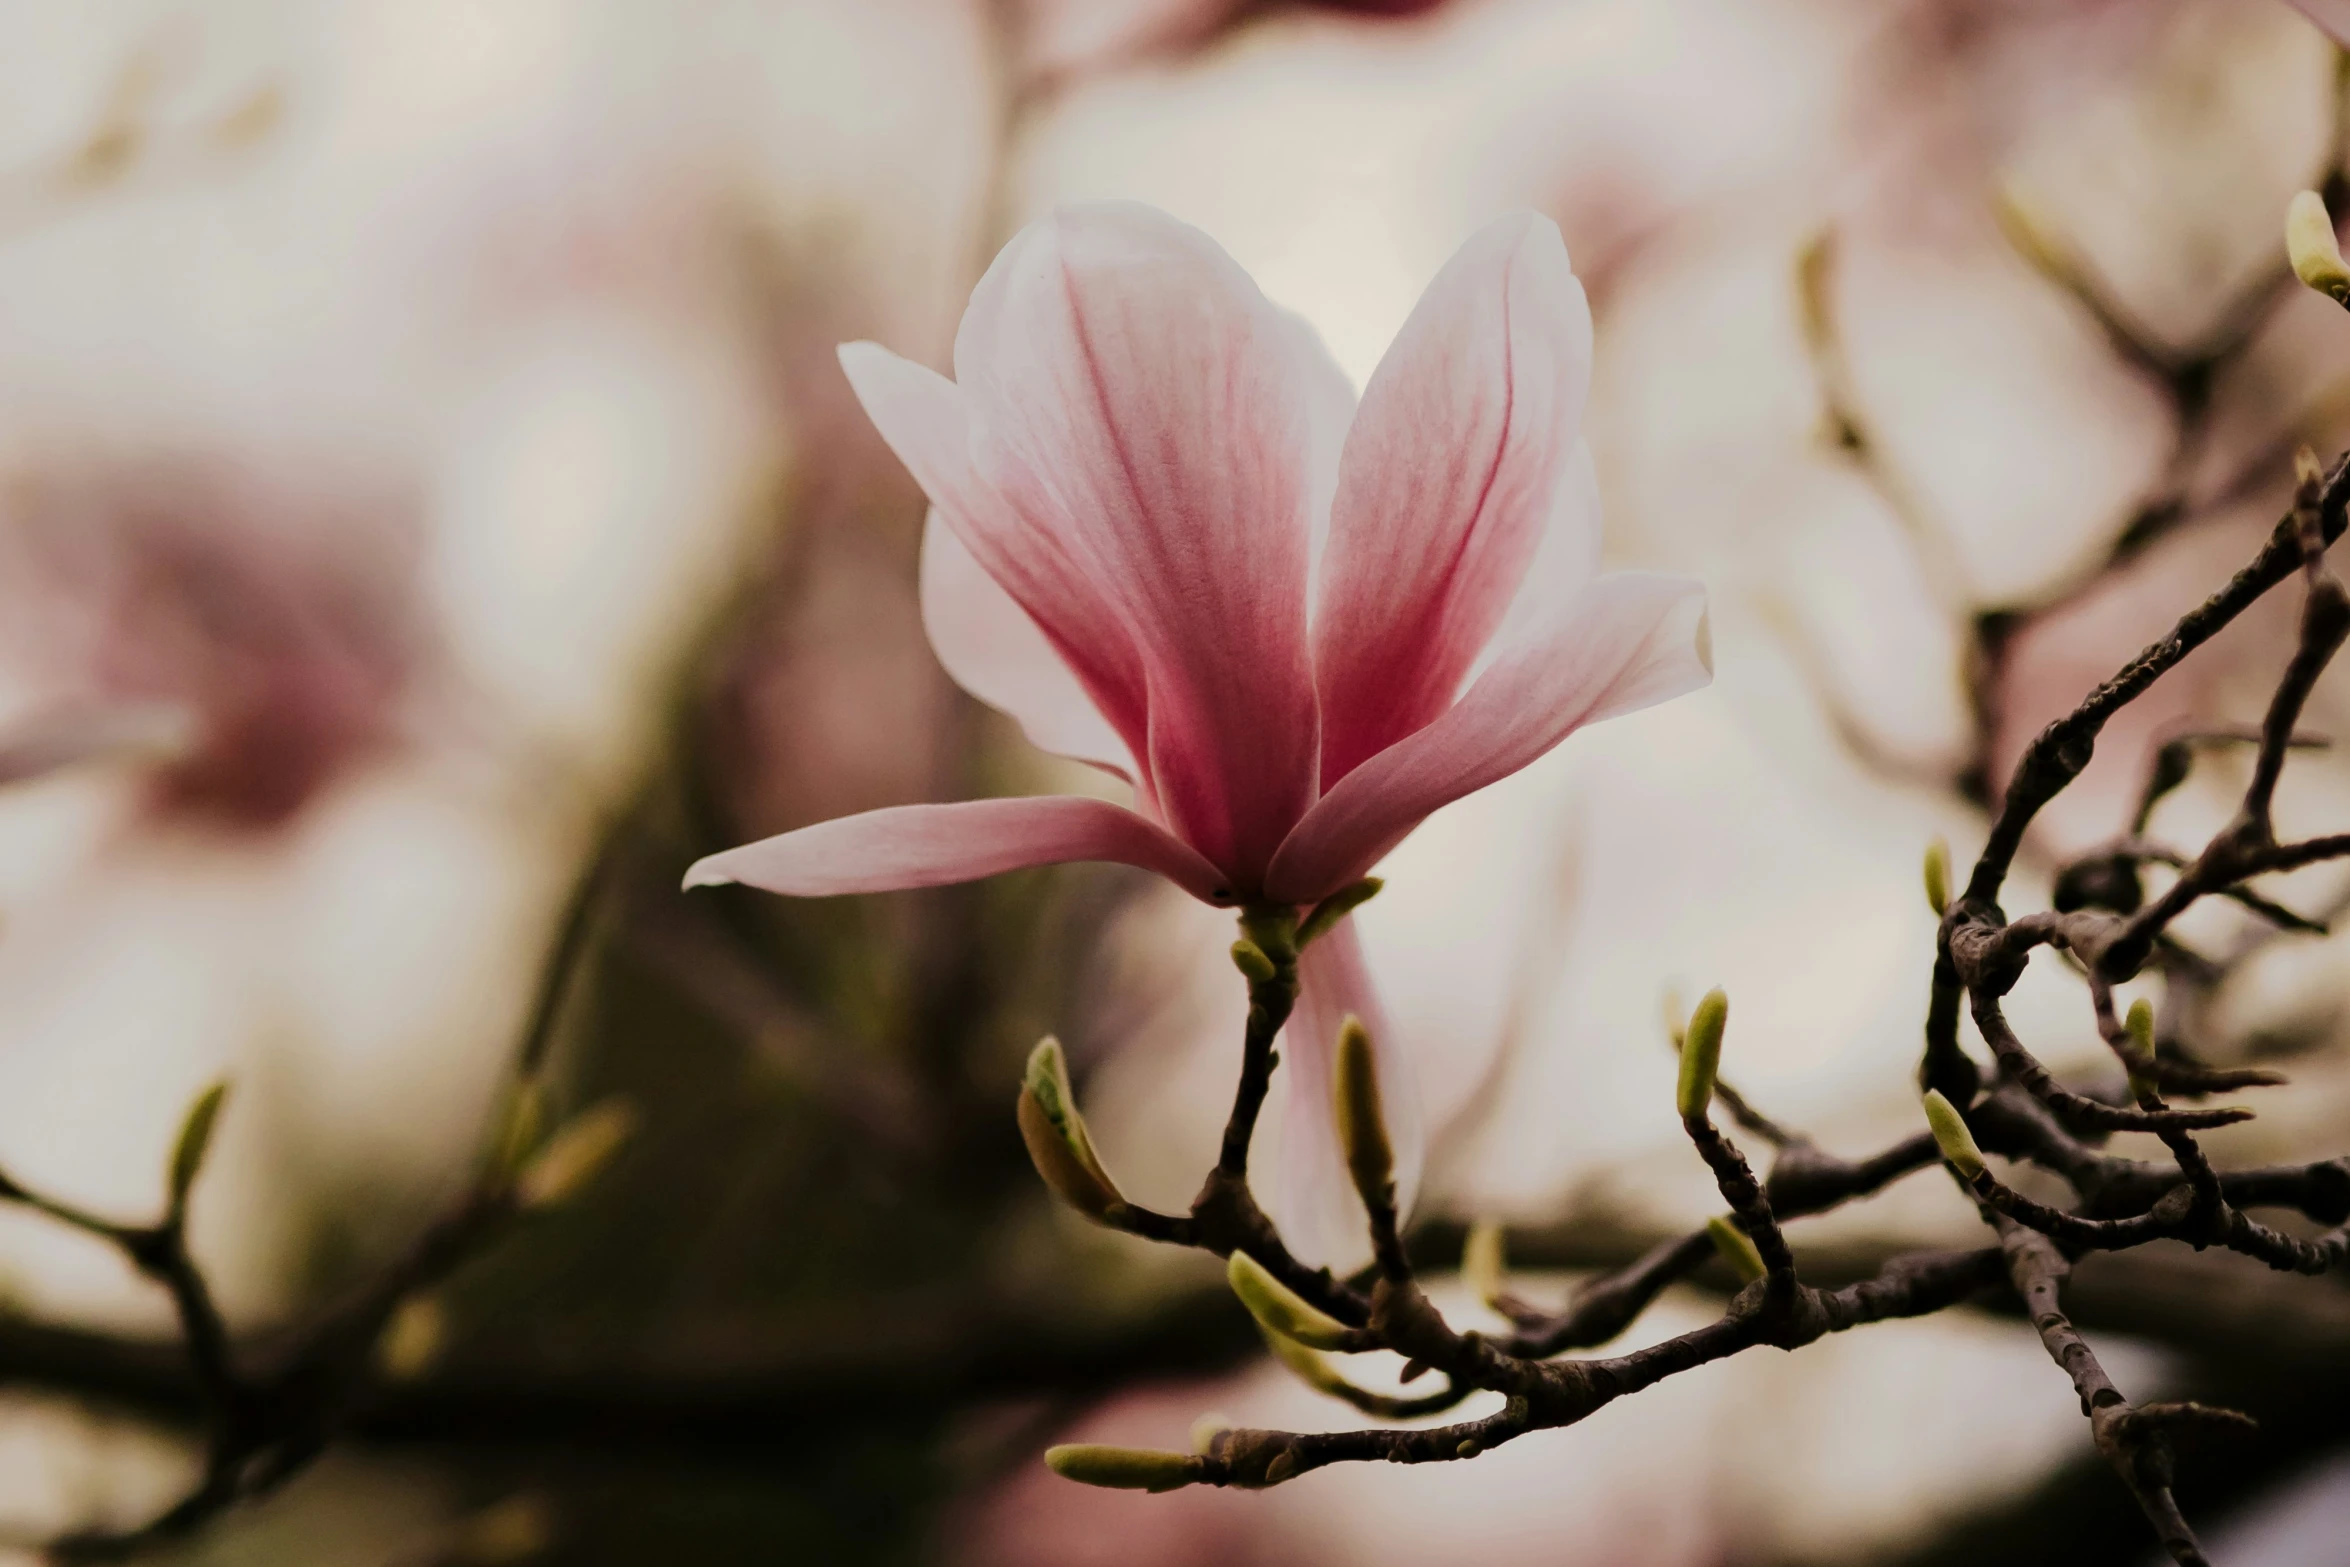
{"x":372,"y":464}
{"x":289,"y":640}
{"x":1132,"y":479}
{"x":1063,"y":38}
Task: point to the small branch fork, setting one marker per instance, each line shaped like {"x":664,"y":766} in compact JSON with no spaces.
{"x":272,"y":1408}
{"x":2014,"y":1107}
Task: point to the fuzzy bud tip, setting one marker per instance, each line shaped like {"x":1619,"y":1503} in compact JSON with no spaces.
{"x":1122,"y":1468}
{"x":1362,"y":1123}
{"x":1058,"y":1144}
{"x":1278,"y":1308}
{"x":2140,"y":1024}
{"x":1952,"y":1136}
{"x":1938,"y":877}
{"x":1736,"y":1248}
{"x":1483,"y":1260}
{"x":1701,"y":1055}
{"x":2314,"y":251}
{"x":574,"y":1155}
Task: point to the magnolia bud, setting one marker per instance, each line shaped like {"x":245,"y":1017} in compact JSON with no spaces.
{"x":2140,"y":1024}
{"x":1701,"y":1055}
{"x":194,"y":1142}
{"x":519,"y":1125}
{"x":1250,"y":959}
{"x":1308,"y":1365}
{"x":1938,"y":876}
{"x":1279,"y":1309}
{"x":1362,"y":1128}
{"x":1338,"y":906}
{"x":584,"y":1145}
{"x":1482,"y":1261}
{"x":1122,"y":1468}
{"x":411,"y":1341}
{"x":1736,"y":1248}
{"x":2315,"y":253}
{"x":1951,"y":1135}
{"x":1056,"y":1137}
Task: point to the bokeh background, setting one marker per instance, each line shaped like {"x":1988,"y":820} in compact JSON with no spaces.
{"x":428,"y":499}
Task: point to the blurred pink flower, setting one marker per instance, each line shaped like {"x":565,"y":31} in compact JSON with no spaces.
{"x":281,"y":630}
{"x":1131,"y":479}
{"x":1060,"y":38}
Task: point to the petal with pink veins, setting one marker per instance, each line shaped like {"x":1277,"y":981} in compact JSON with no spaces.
{"x":993,"y":649}
{"x":1449,"y":480}
{"x":1633,"y":639}
{"x":1151,"y":417}
{"x":933,"y":845}
{"x":1314,"y":1204}
{"x":923,"y":417}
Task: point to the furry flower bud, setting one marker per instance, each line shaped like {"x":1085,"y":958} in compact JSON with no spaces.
{"x":2315,"y":253}
{"x":1952,"y":1136}
{"x":1056,"y":1137}
{"x":1122,"y":1468}
{"x":1701,"y":1055}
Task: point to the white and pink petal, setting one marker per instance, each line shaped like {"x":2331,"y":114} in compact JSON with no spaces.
{"x":994,"y":650}
{"x":925,"y":419}
{"x":1138,"y":402}
{"x":1632,"y":639}
{"x":1448,"y":484}
{"x":936,"y":845}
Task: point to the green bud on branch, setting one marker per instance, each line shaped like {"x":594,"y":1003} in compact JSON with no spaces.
{"x":1952,"y":1136}
{"x":1482,"y":1261}
{"x":412,"y":1340}
{"x":575,"y":1154}
{"x":1122,"y":1468}
{"x":1362,"y":1125}
{"x":1938,"y":877}
{"x":1701,"y":1055}
{"x":193,"y":1143}
{"x":520,"y":1127}
{"x":1308,"y":1365}
{"x":1279,"y":1310}
{"x":1250,"y":959}
{"x":1057,"y":1141}
{"x":1336,"y":907}
{"x":2140,"y":1025}
{"x":1736,"y":1248}
{"x":2314,"y":251}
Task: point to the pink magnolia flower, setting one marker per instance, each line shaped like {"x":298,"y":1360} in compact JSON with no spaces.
{"x":1166,"y":540}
